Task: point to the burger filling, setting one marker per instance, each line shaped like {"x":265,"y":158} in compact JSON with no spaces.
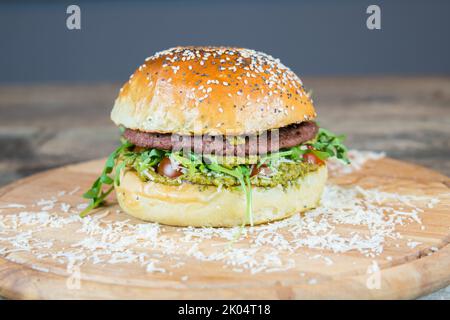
{"x":301,"y":149}
{"x":170,"y":170}
{"x":269,"y":159}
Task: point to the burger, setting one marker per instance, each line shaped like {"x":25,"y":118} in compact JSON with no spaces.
{"x":215,"y":136}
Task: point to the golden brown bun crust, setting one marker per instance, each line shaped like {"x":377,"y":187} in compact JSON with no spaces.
{"x":187,"y":205}
{"x":211,"y":90}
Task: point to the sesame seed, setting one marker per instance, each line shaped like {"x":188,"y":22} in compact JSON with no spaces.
{"x":273,"y":78}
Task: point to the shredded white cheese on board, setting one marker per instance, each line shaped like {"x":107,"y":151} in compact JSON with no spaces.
{"x":110,"y":238}
{"x":357,"y":158}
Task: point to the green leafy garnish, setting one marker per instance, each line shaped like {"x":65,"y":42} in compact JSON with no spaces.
{"x":324,"y":146}
{"x":327,"y":145}
{"x":242,"y":174}
{"x":191,"y":162}
{"x":96,"y":193}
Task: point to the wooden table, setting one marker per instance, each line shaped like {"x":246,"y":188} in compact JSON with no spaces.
{"x":46,"y":126}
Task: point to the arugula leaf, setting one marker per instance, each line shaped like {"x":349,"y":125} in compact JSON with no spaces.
{"x":96,"y":193}
{"x":324,"y":146}
{"x":119,"y":169}
{"x":248,"y":195}
{"x":143,"y":160}
{"x":322,"y":155}
{"x":189,"y":163}
{"x":327,"y":143}
{"x":242,"y":174}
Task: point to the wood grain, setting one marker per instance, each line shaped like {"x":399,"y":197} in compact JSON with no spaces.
{"x":410,"y":273}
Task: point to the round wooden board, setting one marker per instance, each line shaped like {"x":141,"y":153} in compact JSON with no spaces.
{"x":405,"y":271}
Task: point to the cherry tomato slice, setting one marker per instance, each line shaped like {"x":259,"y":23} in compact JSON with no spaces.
{"x":255,"y":170}
{"x":264,"y":169}
{"x":167,"y":169}
{"x":311,"y":158}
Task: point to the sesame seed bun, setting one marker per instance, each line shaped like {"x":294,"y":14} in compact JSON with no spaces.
{"x":199,"y":206}
{"x":211,"y":90}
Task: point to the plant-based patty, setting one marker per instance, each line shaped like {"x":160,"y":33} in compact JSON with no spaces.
{"x":289,"y":136}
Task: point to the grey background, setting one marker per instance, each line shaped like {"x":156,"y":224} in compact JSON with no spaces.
{"x":312,"y":37}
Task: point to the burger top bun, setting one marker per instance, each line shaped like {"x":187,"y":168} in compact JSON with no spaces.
{"x":211,"y":90}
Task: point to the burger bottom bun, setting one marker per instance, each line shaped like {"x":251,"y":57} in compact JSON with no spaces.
{"x":209,"y":206}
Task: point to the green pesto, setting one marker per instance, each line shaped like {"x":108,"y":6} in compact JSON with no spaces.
{"x":284,"y":174}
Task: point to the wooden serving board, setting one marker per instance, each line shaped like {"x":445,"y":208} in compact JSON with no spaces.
{"x":410,"y":266}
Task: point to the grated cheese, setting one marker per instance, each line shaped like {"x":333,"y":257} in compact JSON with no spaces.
{"x":357,"y":158}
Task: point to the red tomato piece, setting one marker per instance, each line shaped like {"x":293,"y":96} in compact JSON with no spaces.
{"x":168,"y":169}
{"x":311,"y":158}
{"x":261,"y":169}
